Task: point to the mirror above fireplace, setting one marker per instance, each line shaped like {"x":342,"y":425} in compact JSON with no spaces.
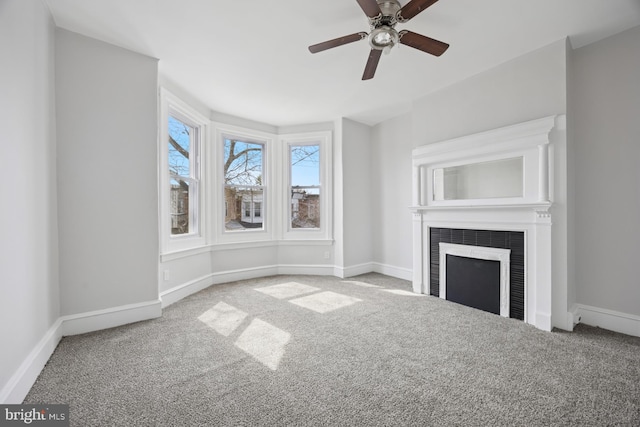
{"x":501,"y":178}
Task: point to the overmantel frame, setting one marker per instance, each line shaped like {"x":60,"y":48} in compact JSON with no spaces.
{"x":529,"y":140}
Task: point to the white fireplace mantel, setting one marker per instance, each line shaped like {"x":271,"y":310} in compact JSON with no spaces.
{"x":529,"y":212}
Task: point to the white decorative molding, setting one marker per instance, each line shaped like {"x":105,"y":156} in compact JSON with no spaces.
{"x":478,"y":252}
{"x":529,"y":213}
{"x":528,"y":134}
{"x":529,"y":141}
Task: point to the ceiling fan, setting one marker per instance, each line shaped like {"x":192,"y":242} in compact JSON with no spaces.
{"x":383,"y":16}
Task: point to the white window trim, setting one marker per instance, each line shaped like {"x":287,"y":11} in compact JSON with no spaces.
{"x":211,"y":235}
{"x":172,"y":105}
{"x":325,"y":231}
{"x":216,"y":176}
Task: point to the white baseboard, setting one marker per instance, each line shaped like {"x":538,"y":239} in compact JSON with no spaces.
{"x":608,"y":319}
{"x":175,"y":294}
{"x":353,"y":270}
{"x":316,"y":270}
{"x":109,"y":318}
{"x":368,"y":267}
{"x":244,"y":274}
{"x":179,"y":292}
{"x":390,"y":270}
{"x":22,"y":380}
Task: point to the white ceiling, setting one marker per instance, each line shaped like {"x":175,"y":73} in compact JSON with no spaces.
{"x":249,"y":58}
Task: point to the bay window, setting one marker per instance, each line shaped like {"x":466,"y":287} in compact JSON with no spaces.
{"x":228,"y":185}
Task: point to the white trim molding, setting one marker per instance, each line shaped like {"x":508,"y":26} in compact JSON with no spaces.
{"x":353,"y":270}
{"x":607,"y":319}
{"x":478,"y":252}
{"x":27,"y":373}
{"x":109,"y":318}
{"x":16,"y":389}
{"x":181,"y":291}
{"x":393,"y":271}
{"x":171,"y":105}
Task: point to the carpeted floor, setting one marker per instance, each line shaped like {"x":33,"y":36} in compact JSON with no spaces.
{"x":320,"y":351}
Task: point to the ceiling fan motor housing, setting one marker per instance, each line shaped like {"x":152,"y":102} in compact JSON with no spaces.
{"x":389,"y":10}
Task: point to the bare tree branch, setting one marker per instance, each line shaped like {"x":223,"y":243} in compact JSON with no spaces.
{"x":307,"y":154}
{"x":242,"y":168}
{"x":178,"y":147}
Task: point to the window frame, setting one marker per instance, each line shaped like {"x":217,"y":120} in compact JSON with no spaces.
{"x":171,"y":105}
{"x":219,"y":205}
{"x":323,"y":140}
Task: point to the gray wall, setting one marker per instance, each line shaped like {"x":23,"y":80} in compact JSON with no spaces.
{"x":107,"y":174}
{"x":356,"y":192}
{"x":605,"y":124}
{"x":391,"y":178}
{"x":529,"y":87}
{"x":29,"y":293}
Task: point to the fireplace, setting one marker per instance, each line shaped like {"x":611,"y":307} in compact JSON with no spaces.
{"x":504,"y":247}
{"x":490,"y":197}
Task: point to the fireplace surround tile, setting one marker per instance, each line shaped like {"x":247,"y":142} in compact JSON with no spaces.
{"x":513,"y":240}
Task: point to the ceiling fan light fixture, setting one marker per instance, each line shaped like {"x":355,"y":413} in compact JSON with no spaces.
{"x":383,"y":15}
{"x":383,"y":37}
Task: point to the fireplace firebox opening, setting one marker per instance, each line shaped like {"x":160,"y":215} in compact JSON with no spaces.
{"x":473,"y":282}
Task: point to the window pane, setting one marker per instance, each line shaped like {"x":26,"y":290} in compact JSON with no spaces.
{"x":179,"y":209}
{"x":243,"y":179}
{"x":242,"y":162}
{"x":180,"y":135}
{"x":243,"y":207}
{"x":305,"y":186}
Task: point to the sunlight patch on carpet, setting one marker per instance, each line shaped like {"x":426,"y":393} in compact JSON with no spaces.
{"x":363,"y":284}
{"x":287,"y":290}
{"x":401,"y":292}
{"x":223,"y":318}
{"x":325,"y":301}
{"x":264,"y":342}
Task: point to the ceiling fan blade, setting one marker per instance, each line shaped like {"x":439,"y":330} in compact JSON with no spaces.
{"x":370,"y":7}
{"x":337,"y":42}
{"x":372,"y":64}
{"x":413,"y":8}
{"x":423,"y":43}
